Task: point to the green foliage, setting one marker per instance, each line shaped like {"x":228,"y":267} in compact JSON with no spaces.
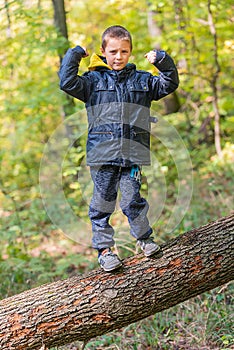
{"x":33,"y":251}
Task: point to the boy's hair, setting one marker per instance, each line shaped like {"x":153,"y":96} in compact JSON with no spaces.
{"x":116,"y":32}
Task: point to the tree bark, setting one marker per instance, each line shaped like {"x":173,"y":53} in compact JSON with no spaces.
{"x":83,"y":307}
{"x":60,"y":23}
{"x":8,"y":31}
{"x":60,"y":17}
{"x":214,"y":82}
{"x":171,"y":102}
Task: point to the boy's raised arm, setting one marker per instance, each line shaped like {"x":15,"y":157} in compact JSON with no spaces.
{"x":168,"y":80}
{"x":70,"y":82}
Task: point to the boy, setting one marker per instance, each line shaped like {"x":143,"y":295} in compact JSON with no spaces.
{"x":118,"y":98}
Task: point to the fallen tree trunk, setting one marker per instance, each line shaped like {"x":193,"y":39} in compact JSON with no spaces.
{"x":83,"y":307}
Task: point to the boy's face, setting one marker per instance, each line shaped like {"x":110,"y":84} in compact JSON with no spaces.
{"x":117,"y":52}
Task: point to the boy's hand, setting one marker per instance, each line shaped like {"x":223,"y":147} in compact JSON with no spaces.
{"x":86,"y":54}
{"x":151,"y":56}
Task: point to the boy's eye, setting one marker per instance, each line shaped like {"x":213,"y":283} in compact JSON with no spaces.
{"x":114,"y":52}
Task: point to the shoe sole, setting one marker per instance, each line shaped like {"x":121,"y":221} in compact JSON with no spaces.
{"x":151,"y":254}
{"x":113,"y":268}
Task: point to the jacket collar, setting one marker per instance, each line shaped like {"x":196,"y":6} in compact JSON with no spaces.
{"x":98,"y":62}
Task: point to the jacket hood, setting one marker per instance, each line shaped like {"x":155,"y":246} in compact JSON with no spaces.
{"x":97,"y":61}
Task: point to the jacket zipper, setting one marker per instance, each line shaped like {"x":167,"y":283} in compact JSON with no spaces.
{"x":101,"y":132}
{"x":119,"y":98}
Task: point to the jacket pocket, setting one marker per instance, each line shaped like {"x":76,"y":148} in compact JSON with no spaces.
{"x":101,"y":132}
{"x":138,"y":86}
{"x":142,"y":137}
{"x":139,"y":93}
{"x":101,"y":86}
{"x":103,"y":93}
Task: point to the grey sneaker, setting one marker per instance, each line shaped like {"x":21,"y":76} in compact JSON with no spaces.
{"x":109,"y":261}
{"x":148,"y":246}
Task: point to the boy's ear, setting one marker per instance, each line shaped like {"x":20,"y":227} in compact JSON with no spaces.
{"x":102,"y":51}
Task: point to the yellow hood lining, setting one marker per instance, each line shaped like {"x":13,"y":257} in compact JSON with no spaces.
{"x":97,"y":61}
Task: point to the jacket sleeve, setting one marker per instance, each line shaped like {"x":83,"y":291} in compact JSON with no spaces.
{"x":167,"y":81}
{"x":73,"y":84}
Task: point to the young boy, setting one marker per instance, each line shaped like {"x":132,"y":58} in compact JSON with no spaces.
{"x":118,"y":98}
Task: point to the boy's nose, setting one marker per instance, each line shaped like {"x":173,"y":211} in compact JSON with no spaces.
{"x":118,"y":55}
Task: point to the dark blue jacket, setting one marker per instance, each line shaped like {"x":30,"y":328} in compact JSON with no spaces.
{"x":118,"y":106}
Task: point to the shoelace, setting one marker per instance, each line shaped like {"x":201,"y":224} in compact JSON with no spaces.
{"x":143,"y":242}
{"x":108,"y":253}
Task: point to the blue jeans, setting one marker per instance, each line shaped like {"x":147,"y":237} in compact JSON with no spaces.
{"x":108,"y":179}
